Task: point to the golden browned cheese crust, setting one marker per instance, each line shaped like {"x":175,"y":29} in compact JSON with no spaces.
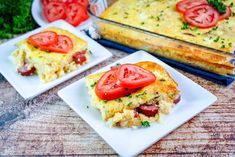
{"x":121,"y":111}
{"x":169,"y":22}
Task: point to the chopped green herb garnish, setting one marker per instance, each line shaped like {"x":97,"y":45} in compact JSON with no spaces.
{"x":158,"y":18}
{"x":194,"y":28}
{"x":185,"y":25}
{"x":162,"y":79}
{"x":90,"y":52}
{"x":129,"y":104}
{"x":145,"y":124}
{"x":223,"y":46}
{"x":118,"y":64}
{"x":231,"y":4}
{"x":142,"y":94}
{"x":233,"y":14}
{"x":217,"y":39}
{"x":105,"y":101}
{"x":129,"y":96}
{"x":119,"y":100}
{"x":218,"y":5}
{"x":93,"y":85}
{"x":142,"y":23}
{"x":215,"y":28}
{"x":230,"y":44}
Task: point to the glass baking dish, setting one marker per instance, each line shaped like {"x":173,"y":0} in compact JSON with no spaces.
{"x":209,"y":59}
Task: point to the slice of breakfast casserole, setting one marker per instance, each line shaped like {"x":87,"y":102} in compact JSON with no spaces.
{"x":50,"y":62}
{"x":140,"y":106}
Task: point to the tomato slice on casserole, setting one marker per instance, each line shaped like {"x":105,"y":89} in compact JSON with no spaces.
{"x":43,"y":38}
{"x":227,"y":14}
{"x":107,"y":87}
{"x":131,"y":76}
{"x":184,"y":5}
{"x":202,"y":16}
{"x":63,"y":45}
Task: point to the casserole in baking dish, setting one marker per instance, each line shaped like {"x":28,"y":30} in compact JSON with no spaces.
{"x":157,"y":27}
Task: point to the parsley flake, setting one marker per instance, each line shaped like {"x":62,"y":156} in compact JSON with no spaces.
{"x":93,"y":85}
{"x":185,"y":25}
{"x":217,"y":39}
{"x":129,"y":104}
{"x":145,"y":123}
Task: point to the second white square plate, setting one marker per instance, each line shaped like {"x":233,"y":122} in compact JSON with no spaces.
{"x":128,"y":141}
{"x":30,"y":86}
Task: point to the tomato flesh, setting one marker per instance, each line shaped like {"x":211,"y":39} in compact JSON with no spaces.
{"x":227,"y":14}
{"x":43,"y":38}
{"x":184,"y":5}
{"x":84,"y":3}
{"x":131,"y":76}
{"x":107,"y":87}
{"x":75,"y":14}
{"x":54,"y":11}
{"x":63,"y":45}
{"x":79,"y":57}
{"x":202,"y":16}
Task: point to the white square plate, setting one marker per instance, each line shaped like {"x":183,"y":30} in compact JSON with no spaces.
{"x":29,"y":87}
{"x":128,"y":141}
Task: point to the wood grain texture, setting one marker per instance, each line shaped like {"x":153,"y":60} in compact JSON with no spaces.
{"x":45,"y":125}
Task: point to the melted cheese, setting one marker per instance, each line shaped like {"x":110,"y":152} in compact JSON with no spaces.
{"x":160,"y":16}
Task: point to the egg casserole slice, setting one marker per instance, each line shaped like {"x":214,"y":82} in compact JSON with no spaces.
{"x":123,"y":112}
{"x":160,"y":16}
{"x":50,"y":65}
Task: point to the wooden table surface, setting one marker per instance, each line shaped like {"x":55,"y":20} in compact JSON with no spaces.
{"x":45,"y":125}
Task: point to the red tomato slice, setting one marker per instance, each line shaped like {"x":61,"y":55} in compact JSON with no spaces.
{"x":79,"y":57}
{"x":107,"y":87}
{"x":184,"y":5}
{"x":131,"y":76}
{"x":63,"y":45}
{"x":43,"y":39}
{"x":54,"y":11}
{"x":227,"y":14}
{"x":84,"y":3}
{"x":202,"y":16}
{"x":75,"y":14}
